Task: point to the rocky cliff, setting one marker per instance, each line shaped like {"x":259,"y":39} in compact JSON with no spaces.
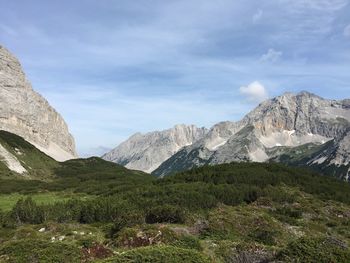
{"x":26,"y":113}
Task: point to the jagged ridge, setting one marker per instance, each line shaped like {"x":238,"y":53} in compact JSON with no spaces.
{"x":146,"y":152}
{"x":273,"y":128}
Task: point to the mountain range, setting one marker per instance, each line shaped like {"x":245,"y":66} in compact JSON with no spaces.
{"x":147,"y":151}
{"x":298,"y":129}
{"x":94,"y":210}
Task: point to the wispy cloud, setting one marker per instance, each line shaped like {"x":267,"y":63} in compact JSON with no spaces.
{"x":271,"y":56}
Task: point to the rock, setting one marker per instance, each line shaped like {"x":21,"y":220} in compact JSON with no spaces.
{"x":41,"y":230}
{"x":282,"y":126}
{"x":146,"y":152}
{"x":26,"y":113}
{"x":11,"y":161}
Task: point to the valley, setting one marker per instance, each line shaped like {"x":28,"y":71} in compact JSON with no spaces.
{"x":91,"y":210}
{"x":257,"y":174}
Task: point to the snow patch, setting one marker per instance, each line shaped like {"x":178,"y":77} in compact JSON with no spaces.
{"x":11,"y":161}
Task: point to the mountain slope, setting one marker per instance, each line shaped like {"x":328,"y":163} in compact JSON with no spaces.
{"x":285,"y":122}
{"x":330,"y":158}
{"x":26,"y":113}
{"x":18,"y":158}
{"x":146,"y":152}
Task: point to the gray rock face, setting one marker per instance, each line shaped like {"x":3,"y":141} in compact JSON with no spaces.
{"x":26,"y":113}
{"x":146,"y":152}
{"x":334,"y":157}
{"x":287,"y":121}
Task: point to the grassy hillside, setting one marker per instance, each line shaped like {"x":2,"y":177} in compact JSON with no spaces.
{"x":227,"y":213}
{"x":37,"y":164}
{"x":69,"y":174}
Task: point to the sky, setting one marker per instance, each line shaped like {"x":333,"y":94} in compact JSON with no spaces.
{"x":116,"y":67}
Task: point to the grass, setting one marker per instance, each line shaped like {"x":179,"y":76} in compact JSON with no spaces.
{"x":8,"y":201}
{"x":159,"y":254}
{"x":37,"y":164}
{"x":227,"y":213}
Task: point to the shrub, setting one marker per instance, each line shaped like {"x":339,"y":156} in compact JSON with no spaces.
{"x":26,"y":211}
{"x":30,"y":250}
{"x":264,"y":236}
{"x":159,"y":254}
{"x":288,"y":215}
{"x":188,"y":242}
{"x":145,"y":235}
{"x":315,"y":250}
{"x":165,"y":214}
{"x":128,"y":219}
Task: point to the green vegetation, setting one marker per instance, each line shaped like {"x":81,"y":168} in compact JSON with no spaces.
{"x":98,"y":211}
{"x":318,"y":250}
{"x":29,"y":250}
{"x":162,"y":254}
{"x":38,"y":164}
{"x":8,"y":201}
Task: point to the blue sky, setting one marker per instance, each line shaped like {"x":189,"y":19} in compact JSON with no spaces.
{"x":113,"y":68}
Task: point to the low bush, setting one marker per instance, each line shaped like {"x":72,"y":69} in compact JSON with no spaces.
{"x":165,"y":214}
{"x":288,"y":215}
{"x":316,"y":250}
{"x":266,"y":237}
{"x":32,"y":250}
{"x":159,"y":254}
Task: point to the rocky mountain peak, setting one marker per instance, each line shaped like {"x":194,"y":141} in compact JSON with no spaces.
{"x":146,"y":152}
{"x":11,"y":73}
{"x":289,"y":121}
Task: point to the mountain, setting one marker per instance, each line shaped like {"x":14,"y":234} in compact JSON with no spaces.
{"x":300,"y":129}
{"x":26,"y":113}
{"x":146,"y":152}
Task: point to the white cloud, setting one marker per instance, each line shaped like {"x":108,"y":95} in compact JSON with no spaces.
{"x":254,"y":92}
{"x":347,"y":31}
{"x":257,"y":16}
{"x":271,"y":56}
